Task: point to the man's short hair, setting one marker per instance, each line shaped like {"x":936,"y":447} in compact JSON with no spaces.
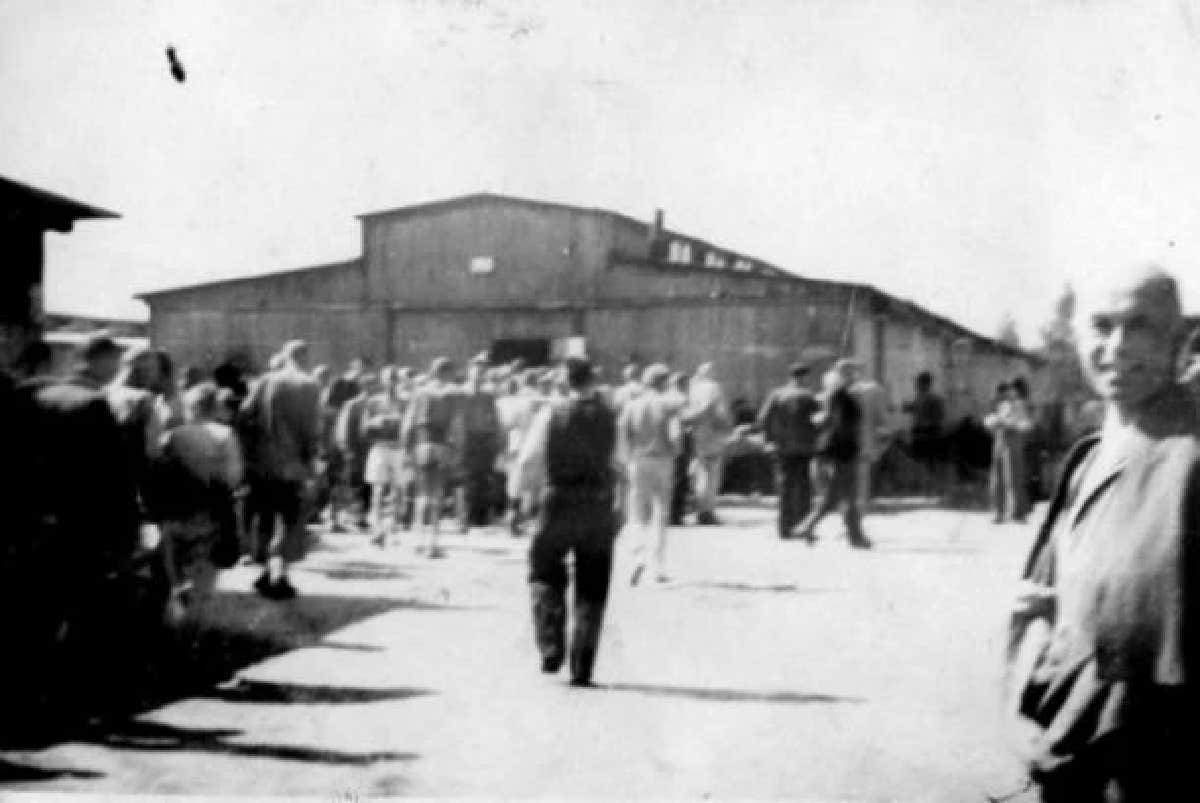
{"x":99,"y":345}
{"x":200,"y":400}
{"x":579,"y":372}
{"x":924,"y":378}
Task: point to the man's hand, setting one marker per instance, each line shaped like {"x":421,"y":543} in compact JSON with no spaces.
{"x":149,"y":536}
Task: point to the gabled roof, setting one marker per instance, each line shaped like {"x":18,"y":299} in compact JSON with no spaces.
{"x":760,"y":267}
{"x":257,"y":277}
{"x":493,"y":197}
{"x":44,"y":208}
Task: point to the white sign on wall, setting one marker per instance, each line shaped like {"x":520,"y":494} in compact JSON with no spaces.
{"x":482,"y":265}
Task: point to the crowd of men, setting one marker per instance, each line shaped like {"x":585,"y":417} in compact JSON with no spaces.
{"x":129,"y":487}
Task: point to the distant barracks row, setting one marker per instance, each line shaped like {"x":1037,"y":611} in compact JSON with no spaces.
{"x":538,"y":280}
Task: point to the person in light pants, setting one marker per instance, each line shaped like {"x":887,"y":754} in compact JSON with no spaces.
{"x":711,"y":423}
{"x":872,"y":402}
{"x":648,"y":432}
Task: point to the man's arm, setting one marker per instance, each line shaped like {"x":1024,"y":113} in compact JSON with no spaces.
{"x":531,"y":463}
{"x":309,"y":423}
{"x":766,"y":415}
{"x":233,"y":469}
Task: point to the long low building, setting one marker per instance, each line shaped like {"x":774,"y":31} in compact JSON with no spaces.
{"x":535,"y":279}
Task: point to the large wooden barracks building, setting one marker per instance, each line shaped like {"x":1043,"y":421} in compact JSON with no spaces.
{"x":535,"y":279}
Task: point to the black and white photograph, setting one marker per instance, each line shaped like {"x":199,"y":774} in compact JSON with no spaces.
{"x":574,"y":400}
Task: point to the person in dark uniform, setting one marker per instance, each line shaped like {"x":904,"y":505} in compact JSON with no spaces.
{"x":839,"y":445}
{"x":786,"y":421}
{"x":570,"y":450}
{"x":480,"y":447}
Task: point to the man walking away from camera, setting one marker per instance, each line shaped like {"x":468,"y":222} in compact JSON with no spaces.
{"x":570,"y":448}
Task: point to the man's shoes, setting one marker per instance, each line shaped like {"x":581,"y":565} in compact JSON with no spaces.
{"x":436,"y":552}
{"x":862,"y":542}
{"x":675,"y":521}
{"x":636,"y":577}
{"x":284,"y":589}
{"x":804,"y":535}
{"x":662,"y":578}
{"x":280,"y":590}
{"x":582,"y":682}
{"x":707,"y":519}
{"x":551,"y":664}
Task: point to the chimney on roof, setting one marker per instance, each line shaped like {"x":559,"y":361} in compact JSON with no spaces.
{"x":657,"y":244}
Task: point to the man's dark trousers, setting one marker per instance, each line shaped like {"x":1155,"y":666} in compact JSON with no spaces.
{"x":579,"y":521}
{"x":841,"y":491}
{"x":794,"y":480}
{"x":682,"y":487}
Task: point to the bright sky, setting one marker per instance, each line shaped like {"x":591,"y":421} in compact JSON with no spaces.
{"x":969,"y":155}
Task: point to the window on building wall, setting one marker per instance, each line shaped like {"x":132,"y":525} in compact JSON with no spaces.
{"x":743,"y":264}
{"x":482,"y":265}
{"x":680,"y":252}
{"x":714,"y":260}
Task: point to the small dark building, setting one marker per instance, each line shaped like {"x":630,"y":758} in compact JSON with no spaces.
{"x":26,"y":214}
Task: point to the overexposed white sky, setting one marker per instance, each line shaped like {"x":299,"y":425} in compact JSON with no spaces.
{"x":970,"y":155}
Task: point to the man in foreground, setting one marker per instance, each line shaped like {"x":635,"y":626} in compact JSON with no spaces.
{"x":1103,"y":638}
{"x":570,"y":449}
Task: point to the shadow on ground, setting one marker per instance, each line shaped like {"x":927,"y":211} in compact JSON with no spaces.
{"x":358,"y":570}
{"x":729,"y":695}
{"x":948,"y":550}
{"x":782,"y":588}
{"x":238,"y":630}
{"x":257,"y":691}
{"x":143,"y":735}
{"x":24,"y":773}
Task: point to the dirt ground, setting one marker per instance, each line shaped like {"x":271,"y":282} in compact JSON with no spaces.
{"x":764,"y":669}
